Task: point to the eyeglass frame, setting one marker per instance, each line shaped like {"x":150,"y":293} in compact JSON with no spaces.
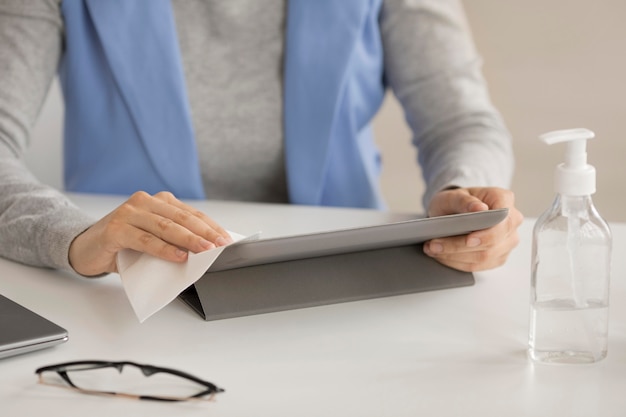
{"x":146,"y":370}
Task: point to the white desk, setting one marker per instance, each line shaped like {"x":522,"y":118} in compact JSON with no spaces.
{"x":444,"y":353}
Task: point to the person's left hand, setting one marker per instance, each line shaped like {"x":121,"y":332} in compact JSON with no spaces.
{"x":483,"y":249}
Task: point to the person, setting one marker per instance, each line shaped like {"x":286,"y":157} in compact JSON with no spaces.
{"x":183,"y":99}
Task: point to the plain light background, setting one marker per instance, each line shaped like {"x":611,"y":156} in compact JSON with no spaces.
{"x":550,"y":65}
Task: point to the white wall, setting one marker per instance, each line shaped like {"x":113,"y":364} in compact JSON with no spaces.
{"x":550,"y":64}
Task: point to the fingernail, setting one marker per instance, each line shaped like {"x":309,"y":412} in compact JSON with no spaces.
{"x":181,"y":253}
{"x":472,"y":242}
{"x":206,"y":244}
{"x":435,"y":247}
{"x":477,"y":206}
{"x":220,"y":241}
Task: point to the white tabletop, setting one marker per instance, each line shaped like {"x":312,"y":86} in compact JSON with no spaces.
{"x":443,"y":353}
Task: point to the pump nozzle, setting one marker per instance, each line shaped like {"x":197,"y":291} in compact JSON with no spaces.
{"x":574,"y":176}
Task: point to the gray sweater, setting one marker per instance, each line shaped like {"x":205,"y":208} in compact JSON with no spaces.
{"x":430,"y":63}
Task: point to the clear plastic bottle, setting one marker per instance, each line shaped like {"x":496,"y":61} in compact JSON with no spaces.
{"x":571,"y":259}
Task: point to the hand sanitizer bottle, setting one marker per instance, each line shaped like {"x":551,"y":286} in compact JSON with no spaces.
{"x":571,"y":257}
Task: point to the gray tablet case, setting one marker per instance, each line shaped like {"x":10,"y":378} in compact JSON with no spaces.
{"x":267,"y":275}
{"x":22,"y":330}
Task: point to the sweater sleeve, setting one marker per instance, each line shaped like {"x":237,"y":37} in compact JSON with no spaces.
{"x":37,"y":223}
{"x":433,"y":68}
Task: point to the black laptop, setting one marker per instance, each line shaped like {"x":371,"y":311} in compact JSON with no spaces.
{"x":22,"y":330}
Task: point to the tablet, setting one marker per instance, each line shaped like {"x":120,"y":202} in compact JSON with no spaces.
{"x":265,"y":251}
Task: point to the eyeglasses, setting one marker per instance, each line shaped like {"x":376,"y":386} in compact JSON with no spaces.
{"x":106,"y":378}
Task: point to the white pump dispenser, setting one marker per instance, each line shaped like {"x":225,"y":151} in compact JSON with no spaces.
{"x":574,"y":176}
{"x":571,"y":259}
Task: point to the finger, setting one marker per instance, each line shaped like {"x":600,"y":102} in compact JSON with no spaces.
{"x":194,"y":219}
{"x":494,"y":197}
{"x":171,"y":232}
{"x":441,"y":246}
{"x":470,"y":265}
{"x":146,"y":242}
{"x":479,"y":240}
{"x":479,"y":258}
{"x":166,"y":206}
{"x":454,"y":202}
{"x":506,"y":229}
{"x":501,"y":235}
{"x":474,"y":260}
{"x":170,"y":218}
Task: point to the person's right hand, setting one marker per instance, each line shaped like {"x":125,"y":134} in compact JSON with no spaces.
{"x":159,"y":225}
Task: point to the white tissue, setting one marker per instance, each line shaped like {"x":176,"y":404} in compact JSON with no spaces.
{"x":151,"y":283}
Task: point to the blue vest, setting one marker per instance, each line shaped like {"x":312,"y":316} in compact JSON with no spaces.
{"x":127,"y":118}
